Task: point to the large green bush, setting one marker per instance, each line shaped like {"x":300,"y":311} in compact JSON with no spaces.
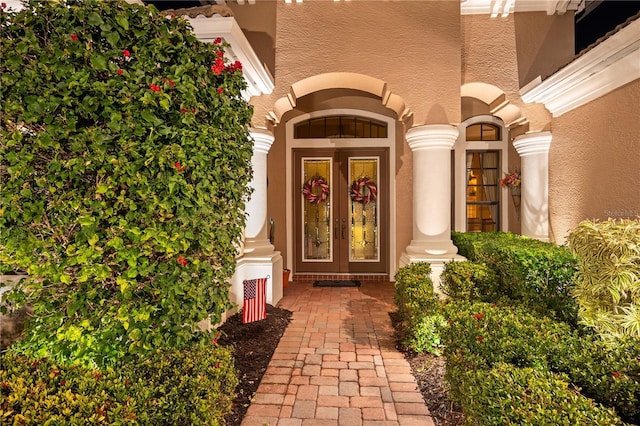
{"x":470,"y":281}
{"x":531,"y":273}
{"x":480,"y":336}
{"x":125,"y":167}
{"x":190,"y":386}
{"x":509,"y":395}
{"x":418,"y":308}
{"x":608,"y":280}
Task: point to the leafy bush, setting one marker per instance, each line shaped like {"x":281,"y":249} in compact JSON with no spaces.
{"x":509,"y":395}
{"x":532,"y":273}
{"x":470,"y":281}
{"x":418,"y":308}
{"x":472,"y":244}
{"x":608,"y":279}
{"x":423,"y":334}
{"x":608,"y":374}
{"x":126,"y":162}
{"x":414,"y":294}
{"x":192,"y":386}
{"x":480,"y":336}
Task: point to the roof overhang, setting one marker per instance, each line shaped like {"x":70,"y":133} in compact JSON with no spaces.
{"x":503,"y":8}
{"x":610,"y":64}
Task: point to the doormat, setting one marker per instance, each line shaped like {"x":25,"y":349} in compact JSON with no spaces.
{"x":337,"y":283}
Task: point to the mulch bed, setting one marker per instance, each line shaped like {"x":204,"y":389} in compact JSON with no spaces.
{"x":254,"y":344}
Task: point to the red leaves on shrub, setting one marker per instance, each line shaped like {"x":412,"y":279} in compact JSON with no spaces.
{"x":120,"y":71}
{"x":479,"y":316}
{"x":218,"y":40}
{"x":74,"y":37}
{"x":616,"y":374}
{"x":220,"y":90}
{"x":480,"y":338}
{"x":154,"y":87}
{"x":179,"y":167}
{"x":182,"y":261}
{"x":126,"y":53}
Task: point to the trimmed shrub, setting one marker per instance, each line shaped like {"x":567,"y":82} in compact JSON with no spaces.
{"x":531,"y":273}
{"x":126,"y":162}
{"x":470,"y":281}
{"x":418,"y":308}
{"x":192,"y":386}
{"x":481,"y":335}
{"x":423,"y":334}
{"x":608,"y":280}
{"x":414,"y":293}
{"x":606,"y":373}
{"x":509,"y":395}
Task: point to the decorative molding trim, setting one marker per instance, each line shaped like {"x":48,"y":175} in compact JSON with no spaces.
{"x":532,"y":143}
{"x":602,"y":69}
{"x":432,"y":136}
{"x":503,"y":8}
{"x":259,"y":80}
{"x":262,"y":140}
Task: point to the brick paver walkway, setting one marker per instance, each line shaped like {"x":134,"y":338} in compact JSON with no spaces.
{"x":336,"y":363}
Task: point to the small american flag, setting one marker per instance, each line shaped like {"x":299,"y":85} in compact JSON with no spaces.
{"x":255,"y":300}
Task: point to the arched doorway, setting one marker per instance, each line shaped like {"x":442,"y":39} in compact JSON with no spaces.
{"x":344,"y":223}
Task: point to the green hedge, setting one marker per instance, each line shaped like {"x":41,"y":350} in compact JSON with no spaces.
{"x":480,"y":336}
{"x":509,"y":395}
{"x":531,"y":273}
{"x":192,"y":386}
{"x":418,"y":308}
{"x":470,"y":281}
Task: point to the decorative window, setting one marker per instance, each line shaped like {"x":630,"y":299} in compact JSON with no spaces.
{"x":483,"y":191}
{"x":483,"y":132}
{"x":340,"y":127}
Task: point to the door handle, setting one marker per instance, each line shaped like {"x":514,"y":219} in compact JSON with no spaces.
{"x":344,"y":228}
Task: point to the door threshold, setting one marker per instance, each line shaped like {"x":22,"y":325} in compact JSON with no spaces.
{"x":309,"y":276}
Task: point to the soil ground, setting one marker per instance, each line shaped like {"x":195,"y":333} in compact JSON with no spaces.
{"x":254,"y":344}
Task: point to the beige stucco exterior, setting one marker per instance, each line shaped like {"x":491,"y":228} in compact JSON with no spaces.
{"x":424,"y":63}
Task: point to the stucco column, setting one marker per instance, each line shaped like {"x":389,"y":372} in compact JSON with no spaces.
{"x":256,"y":234}
{"x":258,"y":258}
{"x":431,"y":146}
{"x":533,"y":149}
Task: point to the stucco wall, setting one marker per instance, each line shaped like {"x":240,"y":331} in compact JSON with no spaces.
{"x":258,"y":23}
{"x":405,"y":44}
{"x":594,"y":161}
{"x":544,"y":43}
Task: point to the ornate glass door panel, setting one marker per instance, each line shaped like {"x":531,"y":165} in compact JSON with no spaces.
{"x":316,"y":210}
{"x":364,"y":244}
{"x":341,"y":210}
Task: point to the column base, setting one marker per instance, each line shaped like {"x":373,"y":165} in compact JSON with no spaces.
{"x":437,"y":263}
{"x":255,"y":247}
{"x":250,"y":267}
{"x":431,"y":248}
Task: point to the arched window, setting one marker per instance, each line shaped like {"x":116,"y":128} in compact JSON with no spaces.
{"x":483,"y":132}
{"x":480,"y":158}
{"x":340,"y":127}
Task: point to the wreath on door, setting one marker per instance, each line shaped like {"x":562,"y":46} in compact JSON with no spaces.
{"x":311,"y":193}
{"x":364,"y":190}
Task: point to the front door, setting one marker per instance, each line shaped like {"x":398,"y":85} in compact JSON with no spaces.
{"x":341,"y":209}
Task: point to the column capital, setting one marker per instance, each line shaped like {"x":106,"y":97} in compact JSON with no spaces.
{"x":432,"y":136}
{"x":532,"y":143}
{"x":262,"y":139}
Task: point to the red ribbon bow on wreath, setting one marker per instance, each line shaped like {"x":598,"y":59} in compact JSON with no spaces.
{"x":364,"y":190}
{"x":316,"y":198}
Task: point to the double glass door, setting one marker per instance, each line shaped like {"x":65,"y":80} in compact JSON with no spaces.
{"x":341,"y":210}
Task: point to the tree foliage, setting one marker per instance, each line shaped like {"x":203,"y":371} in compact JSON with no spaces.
{"x":125,"y":166}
